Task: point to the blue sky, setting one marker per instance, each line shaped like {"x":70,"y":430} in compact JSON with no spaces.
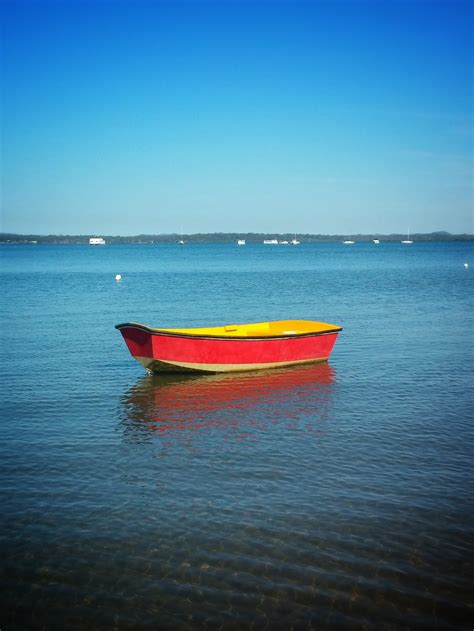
{"x":321,"y":117}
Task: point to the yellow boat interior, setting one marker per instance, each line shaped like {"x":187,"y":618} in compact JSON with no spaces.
{"x":280,"y":328}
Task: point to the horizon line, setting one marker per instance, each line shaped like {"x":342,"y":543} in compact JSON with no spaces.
{"x":232,"y":233}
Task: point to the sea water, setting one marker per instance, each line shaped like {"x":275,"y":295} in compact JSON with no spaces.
{"x":331,"y":496}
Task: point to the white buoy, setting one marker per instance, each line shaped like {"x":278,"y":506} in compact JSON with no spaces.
{"x":466,"y":265}
{"x":118,"y":278}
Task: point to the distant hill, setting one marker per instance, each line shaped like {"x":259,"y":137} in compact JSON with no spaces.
{"x":226,"y":237}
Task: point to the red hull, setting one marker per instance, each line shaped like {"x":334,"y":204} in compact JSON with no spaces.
{"x":164,"y":352}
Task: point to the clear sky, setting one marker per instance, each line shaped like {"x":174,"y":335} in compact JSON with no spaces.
{"x":318,"y":116}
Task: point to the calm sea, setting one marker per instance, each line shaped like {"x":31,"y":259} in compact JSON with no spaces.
{"x":337,"y":496}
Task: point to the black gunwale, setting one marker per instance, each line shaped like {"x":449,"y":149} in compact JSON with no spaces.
{"x":151,"y":331}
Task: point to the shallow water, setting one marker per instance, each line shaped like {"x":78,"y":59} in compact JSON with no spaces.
{"x":327,"y":496}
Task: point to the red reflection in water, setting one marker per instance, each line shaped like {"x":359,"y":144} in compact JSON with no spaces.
{"x":165,"y":403}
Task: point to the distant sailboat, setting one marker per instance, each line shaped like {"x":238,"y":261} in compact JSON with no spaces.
{"x":376,"y":241}
{"x":348,"y":242}
{"x":295,"y":241}
{"x":407,"y":241}
{"x":181,"y":242}
{"x":240,"y":241}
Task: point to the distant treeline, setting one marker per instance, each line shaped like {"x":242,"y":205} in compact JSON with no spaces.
{"x":227,"y":237}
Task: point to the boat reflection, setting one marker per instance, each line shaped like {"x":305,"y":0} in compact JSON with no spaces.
{"x":170,"y":403}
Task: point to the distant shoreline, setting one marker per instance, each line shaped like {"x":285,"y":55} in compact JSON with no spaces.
{"x":224,"y":237}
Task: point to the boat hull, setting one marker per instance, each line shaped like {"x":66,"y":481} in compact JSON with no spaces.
{"x":162,"y":352}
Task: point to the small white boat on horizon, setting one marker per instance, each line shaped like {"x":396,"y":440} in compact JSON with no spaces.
{"x":240,"y":241}
{"x":348,"y":242}
{"x":96,"y":241}
{"x":270,"y":241}
{"x":407,"y":241}
{"x":376,"y":241}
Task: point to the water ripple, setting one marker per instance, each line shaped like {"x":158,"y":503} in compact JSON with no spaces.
{"x":330,"y":497}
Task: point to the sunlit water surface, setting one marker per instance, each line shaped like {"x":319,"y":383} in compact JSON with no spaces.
{"x":331,"y":496}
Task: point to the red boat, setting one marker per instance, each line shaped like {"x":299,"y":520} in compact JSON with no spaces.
{"x":230,"y":348}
